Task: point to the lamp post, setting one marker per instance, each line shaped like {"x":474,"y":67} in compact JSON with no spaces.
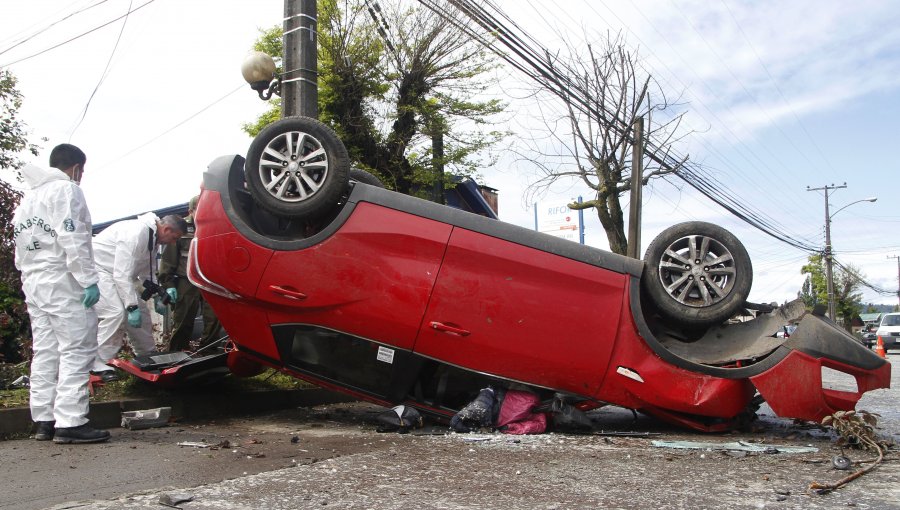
{"x":829,"y":275}
{"x":258,"y":69}
{"x":298,"y":84}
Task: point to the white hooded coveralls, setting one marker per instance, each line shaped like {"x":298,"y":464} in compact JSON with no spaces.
{"x":52,"y":231}
{"x":124,"y":253}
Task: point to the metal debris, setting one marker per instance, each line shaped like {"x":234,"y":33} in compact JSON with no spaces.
{"x":841,"y":462}
{"x":194,"y":444}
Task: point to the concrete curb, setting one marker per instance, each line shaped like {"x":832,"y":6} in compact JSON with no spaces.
{"x":16,"y":421}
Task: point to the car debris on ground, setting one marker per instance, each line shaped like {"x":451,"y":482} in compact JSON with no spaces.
{"x":735,"y":446}
{"x":147,"y":418}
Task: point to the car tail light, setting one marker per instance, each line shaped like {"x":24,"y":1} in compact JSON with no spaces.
{"x":198,"y":279}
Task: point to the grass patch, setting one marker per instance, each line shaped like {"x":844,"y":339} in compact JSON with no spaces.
{"x":130,"y":387}
{"x":13,"y":398}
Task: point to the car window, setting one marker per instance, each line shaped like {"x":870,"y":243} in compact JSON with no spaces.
{"x":891,"y":320}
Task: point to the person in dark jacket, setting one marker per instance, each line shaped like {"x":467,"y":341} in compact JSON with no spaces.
{"x":173,"y":274}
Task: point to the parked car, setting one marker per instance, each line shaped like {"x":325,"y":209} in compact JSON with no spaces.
{"x":786,"y":330}
{"x":393,"y":299}
{"x":868,"y":338}
{"x":889,"y":330}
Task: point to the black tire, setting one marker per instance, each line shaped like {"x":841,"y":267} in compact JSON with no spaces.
{"x":360,"y":175}
{"x":699,"y":290}
{"x":297,"y":167}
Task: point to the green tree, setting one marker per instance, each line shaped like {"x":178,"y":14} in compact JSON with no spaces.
{"x":14,"y":325}
{"x":848,"y":299}
{"x":815,"y":288}
{"x":847,"y":282}
{"x":388,"y":95}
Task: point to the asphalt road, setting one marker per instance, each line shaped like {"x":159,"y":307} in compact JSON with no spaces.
{"x":332,"y":457}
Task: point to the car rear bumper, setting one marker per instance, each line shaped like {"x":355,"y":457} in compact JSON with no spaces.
{"x":794,"y":388}
{"x":176,"y":373}
{"x":889,"y":342}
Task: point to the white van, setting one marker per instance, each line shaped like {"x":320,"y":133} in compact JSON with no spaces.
{"x":889,"y":330}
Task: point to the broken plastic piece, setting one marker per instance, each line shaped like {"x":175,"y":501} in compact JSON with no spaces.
{"x":194,"y":444}
{"x":145,"y":419}
{"x":21,"y":382}
{"x":735,"y":445}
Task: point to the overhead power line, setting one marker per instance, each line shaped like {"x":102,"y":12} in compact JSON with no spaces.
{"x":67,"y":41}
{"x":103,"y":74}
{"x":51,"y":25}
{"x":179,"y":124}
{"x":854,"y":274}
{"x":497,"y":32}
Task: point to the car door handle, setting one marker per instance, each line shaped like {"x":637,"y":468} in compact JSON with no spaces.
{"x":440,"y":326}
{"x":288,"y":293}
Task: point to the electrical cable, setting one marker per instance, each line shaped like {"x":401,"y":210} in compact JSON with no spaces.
{"x":765,"y":223}
{"x":78,"y":36}
{"x":725,"y":65}
{"x":179,"y":124}
{"x":756,"y":163}
{"x":103,"y":74}
{"x":854,"y":274}
{"x":51,"y":25}
{"x":541,"y":66}
{"x":777,"y":88}
{"x":381,"y":24}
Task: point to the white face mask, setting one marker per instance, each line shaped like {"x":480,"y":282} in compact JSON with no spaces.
{"x":77,"y":174}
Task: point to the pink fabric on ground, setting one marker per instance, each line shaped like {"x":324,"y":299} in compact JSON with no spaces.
{"x":516,"y":415}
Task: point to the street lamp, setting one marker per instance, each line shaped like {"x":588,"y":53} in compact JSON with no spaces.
{"x":258,"y":70}
{"x":828,"y":260}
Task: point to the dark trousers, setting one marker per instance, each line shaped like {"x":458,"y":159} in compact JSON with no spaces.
{"x":189,"y":303}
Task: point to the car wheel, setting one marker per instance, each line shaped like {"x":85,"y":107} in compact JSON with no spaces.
{"x":360,"y":175}
{"x":297,"y":167}
{"x":697,"y":273}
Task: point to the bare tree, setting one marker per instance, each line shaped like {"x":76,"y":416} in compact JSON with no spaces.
{"x":594,"y":144}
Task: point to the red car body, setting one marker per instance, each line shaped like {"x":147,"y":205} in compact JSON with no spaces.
{"x":398,"y":300}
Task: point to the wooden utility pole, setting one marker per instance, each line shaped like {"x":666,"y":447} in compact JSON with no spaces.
{"x":637,"y":174}
{"x":828,"y":260}
{"x":299,"y":86}
{"x":437,"y":159}
{"x":898,"y":273}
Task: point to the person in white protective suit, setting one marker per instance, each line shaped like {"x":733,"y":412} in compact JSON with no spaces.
{"x":52,"y":235}
{"x":125,"y":254}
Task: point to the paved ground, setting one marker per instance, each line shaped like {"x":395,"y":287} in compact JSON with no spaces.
{"x":332,"y":457}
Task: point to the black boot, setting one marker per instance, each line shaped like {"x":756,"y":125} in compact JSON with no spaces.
{"x":43,"y":430}
{"x":80,"y":434}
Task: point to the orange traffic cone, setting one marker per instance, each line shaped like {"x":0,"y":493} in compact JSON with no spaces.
{"x":879,"y":348}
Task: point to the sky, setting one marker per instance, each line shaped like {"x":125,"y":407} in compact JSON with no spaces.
{"x":779,"y":96}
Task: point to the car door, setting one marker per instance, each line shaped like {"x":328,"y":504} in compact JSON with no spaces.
{"x":523,"y":314}
{"x":370,"y":279}
{"x":347,"y":309}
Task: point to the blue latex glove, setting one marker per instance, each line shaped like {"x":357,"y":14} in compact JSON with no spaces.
{"x":173,"y":295}
{"x":91,"y":296}
{"x":134,"y":318}
{"x":159,"y":306}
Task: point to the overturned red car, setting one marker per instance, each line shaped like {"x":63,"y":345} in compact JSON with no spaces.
{"x":319,"y":272}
